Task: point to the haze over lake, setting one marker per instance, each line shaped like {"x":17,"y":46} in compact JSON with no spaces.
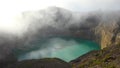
{"x":66,"y":48}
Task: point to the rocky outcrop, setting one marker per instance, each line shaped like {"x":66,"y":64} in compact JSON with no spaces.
{"x":108,"y":33}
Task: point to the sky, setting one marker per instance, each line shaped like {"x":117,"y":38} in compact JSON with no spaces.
{"x":10,"y":8}
{"x":75,"y":5}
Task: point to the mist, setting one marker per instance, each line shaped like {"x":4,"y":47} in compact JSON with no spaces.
{"x":48,"y":48}
{"x":50,"y":22}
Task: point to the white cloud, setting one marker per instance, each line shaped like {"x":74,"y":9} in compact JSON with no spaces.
{"x":22,"y":5}
{"x":9,"y":8}
{"x":87,"y":5}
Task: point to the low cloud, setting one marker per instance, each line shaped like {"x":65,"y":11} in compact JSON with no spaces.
{"x":51,"y":22}
{"x":48,"y":48}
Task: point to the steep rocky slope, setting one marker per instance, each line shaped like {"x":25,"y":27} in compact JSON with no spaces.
{"x":108,"y":33}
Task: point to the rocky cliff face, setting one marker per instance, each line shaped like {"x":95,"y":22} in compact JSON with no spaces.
{"x":108,"y":33}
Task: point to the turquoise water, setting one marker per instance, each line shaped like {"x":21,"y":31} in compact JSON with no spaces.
{"x":65,"y":48}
